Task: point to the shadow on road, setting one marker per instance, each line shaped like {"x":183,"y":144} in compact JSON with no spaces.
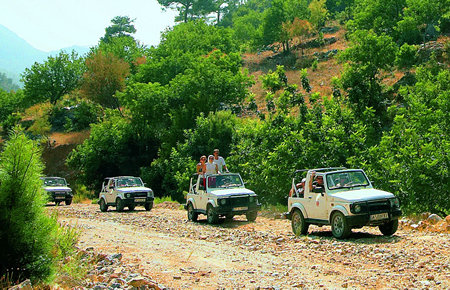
{"x":359,"y":237}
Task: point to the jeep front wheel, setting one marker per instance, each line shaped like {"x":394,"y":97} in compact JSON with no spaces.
{"x":389,"y":228}
{"x":103,"y":205}
{"x":192,"y":215}
{"x":148,"y":206}
{"x":251,"y":216}
{"x":299,"y":226}
{"x":339,"y":226}
{"x":68,"y":201}
{"x":212,"y":217}
{"x":119,"y":205}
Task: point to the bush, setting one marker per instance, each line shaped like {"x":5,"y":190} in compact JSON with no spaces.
{"x":27,"y":234}
{"x":406,"y":56}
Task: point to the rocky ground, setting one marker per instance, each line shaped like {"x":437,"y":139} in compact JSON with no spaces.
{"x":160,"y":249}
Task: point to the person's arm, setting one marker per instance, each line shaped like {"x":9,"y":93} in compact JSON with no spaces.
{"x":224,"y":165}
{"x":311,"y":177}
{"x":198,"y":168}
{"x":217,"y":168}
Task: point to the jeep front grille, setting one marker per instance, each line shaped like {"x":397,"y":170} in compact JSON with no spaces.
{"x":139,"y":194}
{"x":379,"y":206}
{"x":239,"y":201}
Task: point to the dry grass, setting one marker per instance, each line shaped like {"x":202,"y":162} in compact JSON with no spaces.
{"x":59,"y":138}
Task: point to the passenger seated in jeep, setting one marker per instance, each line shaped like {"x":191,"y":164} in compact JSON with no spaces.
{"x":300,"y":189}
{"x":317,"y":185}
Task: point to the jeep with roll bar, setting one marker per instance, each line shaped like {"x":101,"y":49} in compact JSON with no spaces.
{"x":57,"y":190}
{"x":220,"y":195}
{"x":343,"y":198}
{"x":125,"y":191}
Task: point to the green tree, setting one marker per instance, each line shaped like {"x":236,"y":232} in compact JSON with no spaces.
{"x":122,"y":26}
{"x":54,"y":78}
{"x":185,"y":8}
{"x":105,"y":75}
{"x":273,"y":24}
{"x":26,"y":231}
{"x":7,"y":84}
{"x":10,"y":102}
{"x":319,"y":13}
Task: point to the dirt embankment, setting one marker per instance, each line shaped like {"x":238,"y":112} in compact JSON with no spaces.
{"x":166,"y":249}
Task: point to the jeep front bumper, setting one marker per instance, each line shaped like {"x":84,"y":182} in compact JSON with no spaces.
{"x":365,"y":219}
{"x":138,"y":200}
{"x":237,"y":210}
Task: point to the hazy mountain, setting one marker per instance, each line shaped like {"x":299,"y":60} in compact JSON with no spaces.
{"x":16,"y":54}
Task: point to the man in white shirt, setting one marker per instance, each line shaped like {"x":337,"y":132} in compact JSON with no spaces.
{"x":219,"y":161}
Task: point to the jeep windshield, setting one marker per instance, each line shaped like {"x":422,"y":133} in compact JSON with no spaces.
{"x":129,"y":182}
{"x":346,"y":179}
{"x":225,"y":181}
{"x":55,"y":182}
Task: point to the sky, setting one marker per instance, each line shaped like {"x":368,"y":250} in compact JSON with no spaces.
{"x":50,"y":25}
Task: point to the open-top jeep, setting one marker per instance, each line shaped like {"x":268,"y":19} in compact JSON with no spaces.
{"x":57,"y":190}
{"x":342,"y":198}
{"x":125,"y":191}
{"x":217,"y":195}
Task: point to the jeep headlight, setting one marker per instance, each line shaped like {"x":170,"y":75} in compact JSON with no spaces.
{"x":395,"y":202}
{"x":223,"y":201}
{"x":357,"y":208}
{"x":150,"y":194}
{"x":127,"y":195}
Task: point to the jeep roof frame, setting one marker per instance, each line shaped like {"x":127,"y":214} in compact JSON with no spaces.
{"x":319,"y":169}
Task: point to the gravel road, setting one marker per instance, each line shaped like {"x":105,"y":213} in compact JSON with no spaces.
{"x":176,"y":253}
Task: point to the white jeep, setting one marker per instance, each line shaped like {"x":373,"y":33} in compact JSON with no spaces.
{"x":125,"y":191}
{"x":342,"y":198}
{"x":57,"y":190}
{"x":217,"y":195}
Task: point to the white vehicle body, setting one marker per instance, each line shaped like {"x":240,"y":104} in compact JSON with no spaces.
{"x":125,"y":191}
{"x":352,"y":204}
{"x":218,"y":195}
{"x":58,"y":190}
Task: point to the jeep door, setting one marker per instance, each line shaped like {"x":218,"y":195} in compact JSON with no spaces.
{"x":109,"y":191}
{"x":202,"y":198}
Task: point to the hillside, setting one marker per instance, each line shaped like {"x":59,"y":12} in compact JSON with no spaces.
{"x":16,"y":54}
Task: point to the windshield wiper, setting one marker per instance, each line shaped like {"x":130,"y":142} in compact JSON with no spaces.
{"x":359,"y":184}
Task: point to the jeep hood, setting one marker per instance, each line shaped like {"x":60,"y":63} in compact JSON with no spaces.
{"x":232,"y":191}
{"x":134,"y":189}
{"x":362,"y":195}
{"x":57,"y":188}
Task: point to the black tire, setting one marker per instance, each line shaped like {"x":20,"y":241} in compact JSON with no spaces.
{"x":339,"y":226}
{"x":229,"y":217}
{"x":211,"y":215}
{"x":389,"y":228}
{"x":103,"y":205}
{"x":251,"y":216}
{"x":131,"y":207}
{"x":298,"y":224}
{"x":148,"y":206}
{"x":119,"y":205}
{"x":68,"y":201}
{"x":192,"y":215}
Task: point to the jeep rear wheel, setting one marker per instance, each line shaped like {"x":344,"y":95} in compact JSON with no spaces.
{"x":389,"y":228}
{"x":192,"y":215}
{"x":251,"y":216}
{"x":299,"y":226}
{"x":103,"y":205}
{"x":119,"y":205}
{"x":148,"y":206}
{"x":212,"y":217}
{"x":339,"y":226}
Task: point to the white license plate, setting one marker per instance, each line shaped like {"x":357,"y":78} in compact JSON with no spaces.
{"x":240,"y":208}
{"x":139,"y":200}
{"x":379,"y":216}
{"x":60,"y":197}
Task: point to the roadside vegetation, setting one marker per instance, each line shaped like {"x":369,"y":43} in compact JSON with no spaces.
{"x":276,"y":85}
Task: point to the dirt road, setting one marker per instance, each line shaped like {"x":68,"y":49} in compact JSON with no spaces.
{"x":265,"y":253}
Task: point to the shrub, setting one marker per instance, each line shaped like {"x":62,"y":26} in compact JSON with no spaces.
{"x":26,"y":232}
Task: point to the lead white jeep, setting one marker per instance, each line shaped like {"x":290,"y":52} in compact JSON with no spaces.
{"x":345,"y":199}
{"x":217,"y":195}
{"x":125,"y":191}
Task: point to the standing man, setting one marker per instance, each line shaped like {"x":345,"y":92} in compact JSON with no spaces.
{"x":219,"y":161}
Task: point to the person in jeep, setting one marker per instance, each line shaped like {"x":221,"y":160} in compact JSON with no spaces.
{"x":317,"y":185}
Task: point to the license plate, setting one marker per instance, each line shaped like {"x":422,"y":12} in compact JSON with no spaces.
{"x":139,"y":200}
{"x":379,"y":216}
{"x":240,"y":208}
{"x":60,"y":197}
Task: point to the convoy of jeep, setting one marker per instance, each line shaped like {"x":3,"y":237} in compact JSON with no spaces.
{"x":57,"y":190}
{"x":342,"y":198}
{"x":220,"y":195}
{"x":125,"y":191}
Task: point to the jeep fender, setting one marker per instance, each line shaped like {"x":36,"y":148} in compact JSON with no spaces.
{"x":102,"y":197}
{"x":211,"y":202}
{"x":300,"y":207}
{"x":336,"y":208}
{"x":191,"y":200}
